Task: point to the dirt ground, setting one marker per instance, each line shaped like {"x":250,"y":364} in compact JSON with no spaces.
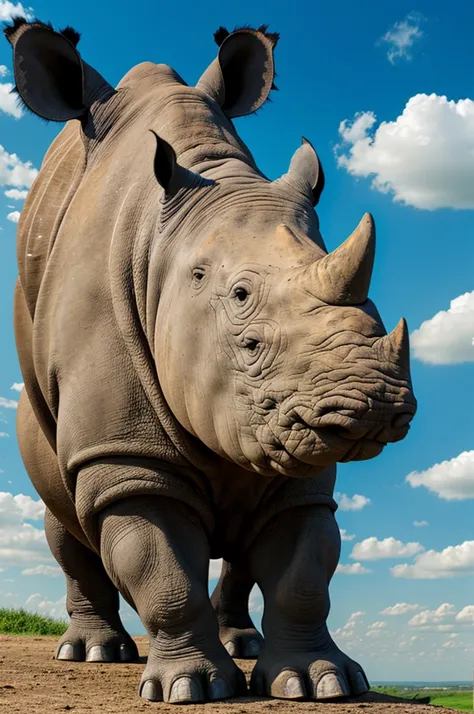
{"x":32,"y":682}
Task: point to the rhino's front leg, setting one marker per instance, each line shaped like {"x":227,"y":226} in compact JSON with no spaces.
{"x":157,"y":554}
{"x":293,"y":561}
{"x":231,"y":604}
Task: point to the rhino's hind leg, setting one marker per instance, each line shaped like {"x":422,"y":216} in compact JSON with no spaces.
{"x":95,"y":633}
{"x":157,"y":553}
{"x":293,"y":561}
{"x":230,"y":600}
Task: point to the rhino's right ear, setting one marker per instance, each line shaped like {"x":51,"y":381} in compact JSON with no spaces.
{"x":51,"y":78}
{"x":241,"y":77}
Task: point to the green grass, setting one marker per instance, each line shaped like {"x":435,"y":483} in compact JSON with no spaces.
{"x":452,"y":699}
{"x":20,"y":622}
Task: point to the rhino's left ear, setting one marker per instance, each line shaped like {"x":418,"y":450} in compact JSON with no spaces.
{"x":241,"y":77}
{"x":51,"y":78}
{"x":170,"y":175}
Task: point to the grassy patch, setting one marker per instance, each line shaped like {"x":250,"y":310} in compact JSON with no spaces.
{"x":452,"y":699}
{"x":20,"y":622}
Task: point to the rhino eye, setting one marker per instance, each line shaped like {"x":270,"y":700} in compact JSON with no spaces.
{"x":251,"y":345}
{"x":241,"y":294}
{"x":198,"y":274}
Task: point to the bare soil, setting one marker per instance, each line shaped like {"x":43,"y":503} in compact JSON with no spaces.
{"x":32,"y":682}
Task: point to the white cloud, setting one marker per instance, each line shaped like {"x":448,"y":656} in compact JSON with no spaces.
{"x":17,"y":386}
{"x":15,"y":194}
{"x":14,"y":171}
{"x":345,"y":535}
{"x":374,"y":549}
{"x":451,"y":480}
{"x":426,"y":618}
{"x":401,"y":608}
{"x":255,"y":600}
{"x":4,"y":71}
{"x":215,"y":567}
{"x":466,"y":615}
{"x":21,"y":542}
{"x":352,"y":569}
{"x":14,"y":216}
{"x":55,"y":609}
{"x":48,"y":570}
{"x":420,"y":524}
{"x":8,"y":403}
{"x":423,"y":157}
{"x":448,"y":337}
{"x":347,"y":631}
{"x":351,"y":503}
{"x":4,"y":435}
{"x":376,"y":629}
{"x":452,"y":562}
{"x":9,"y":101}
{"x":402,"y":36}
{"x":9,"y":9}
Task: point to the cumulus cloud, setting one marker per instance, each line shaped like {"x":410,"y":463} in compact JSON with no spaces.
{"x":15,"y":194}
{"x":420,"y":524}
{"x":451,"y":480}
{"x":14,"y":216}
{"x":9,"y":9}
{"x":15,"y":172}
{"x":454,"y":561}
{"x":21,"y":542}
{"x":51,"y":571}
{"x":4,"y":435}
{"x":401,"y":608}
{"x":347,"y":631}
{"x":255,"y":600}
{"x":426,"y":618}
{"x":402,"y":36}
{"x":40,"y":604}
{"x":9,"y":101}
{"x":352,"y":569}
{"x":215,"y":567}
{"x":374,"y":549}
{"x":17,"y":386}
{"x":8,"y":403}
{"x":448,"y":337}
{"x":351,"y":503}
{"x":466,"y":615}
{"x":4,"y":71}
{"x":423,"y":157}
{"x":345,"y":535}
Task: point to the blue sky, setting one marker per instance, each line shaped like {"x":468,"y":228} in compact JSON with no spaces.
{"x":385,"y":92}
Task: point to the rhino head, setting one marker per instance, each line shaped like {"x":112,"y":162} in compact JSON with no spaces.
{"x":273,"y":355}
{"x":267,"y":348}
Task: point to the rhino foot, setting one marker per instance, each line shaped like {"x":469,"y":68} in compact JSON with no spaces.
{"x":241,"y":643}
{"x":96,"y":646}
{"x":191,"y":678}
{"x":317,"y":675}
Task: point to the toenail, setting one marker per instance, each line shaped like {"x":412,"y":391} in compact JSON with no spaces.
{"x":293,"y":688}
{"x":361,"y":684}
{"x":219,"y":689}
{"x":98,"y":653}
{"x":252,"y":648}
{"x":331,"y":686}
{"x":231,"y":648}
{"x":66,"y":652}
{"x":151,"y":691}
{"x":185,"y":689}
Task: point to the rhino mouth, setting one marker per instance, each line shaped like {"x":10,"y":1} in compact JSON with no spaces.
{"x":301,"y":449}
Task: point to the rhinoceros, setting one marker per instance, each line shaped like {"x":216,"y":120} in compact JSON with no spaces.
{"x":195,"y":365}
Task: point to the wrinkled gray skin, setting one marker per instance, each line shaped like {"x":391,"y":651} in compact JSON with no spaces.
{"x":195,"y":364}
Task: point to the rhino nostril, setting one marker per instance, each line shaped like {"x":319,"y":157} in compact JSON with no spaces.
{"x":402,"y":420}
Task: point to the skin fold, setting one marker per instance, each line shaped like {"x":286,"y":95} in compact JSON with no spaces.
{"x":195,"y":365}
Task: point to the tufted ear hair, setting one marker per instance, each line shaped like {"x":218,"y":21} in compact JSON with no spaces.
{"x":51,"y":78}
{"x":241,"y":77}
